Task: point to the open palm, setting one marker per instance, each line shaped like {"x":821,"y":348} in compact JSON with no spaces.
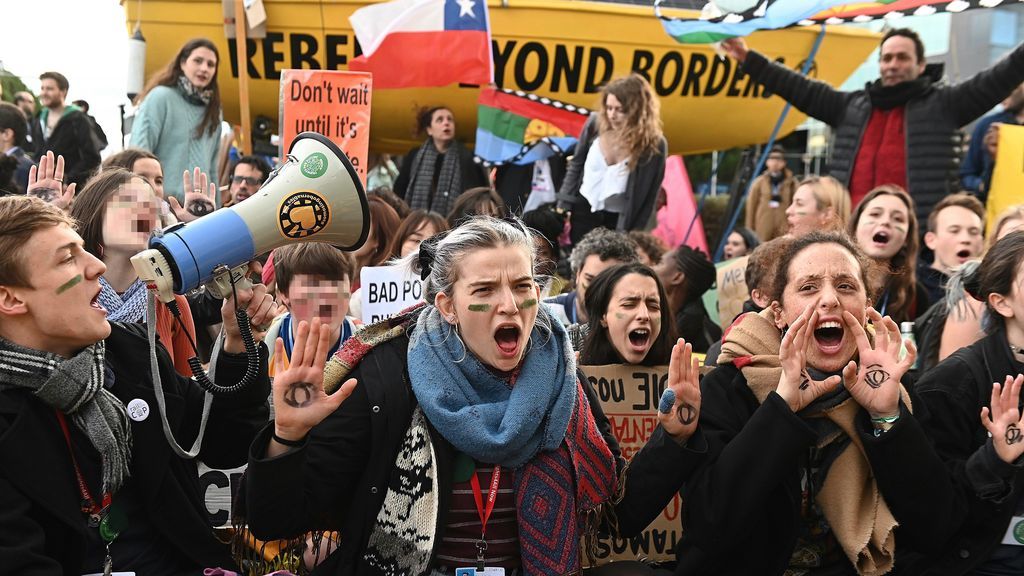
{"x":300,"y":402}
{"x":1003,"y":420}
{"x":680,"y":403}
{"x":199,"y":193}
{"x":796,"y":386}
{"x":875,"y":382}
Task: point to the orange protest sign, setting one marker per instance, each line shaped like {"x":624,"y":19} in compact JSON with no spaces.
{"x":333,"y":103}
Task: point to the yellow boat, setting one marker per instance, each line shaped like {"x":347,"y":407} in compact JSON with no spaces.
{"x":562,"y":49}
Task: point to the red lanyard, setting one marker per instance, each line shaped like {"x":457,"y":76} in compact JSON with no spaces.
{"x":89,"y":505}
{"x":485,"y":513}
{"x":492,"y":495}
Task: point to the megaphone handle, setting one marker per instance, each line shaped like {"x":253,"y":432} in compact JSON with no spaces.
{"x":225,"y":282}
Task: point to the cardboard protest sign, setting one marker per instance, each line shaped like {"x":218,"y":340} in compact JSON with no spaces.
{"x":732,"y":289}
{"x":386,"y":291}
{"x":629,"y":397}
{"x":1008,"y":173}
{"x":333,"y":103}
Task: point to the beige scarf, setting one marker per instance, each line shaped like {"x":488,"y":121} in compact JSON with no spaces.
{"x":858,"y":515}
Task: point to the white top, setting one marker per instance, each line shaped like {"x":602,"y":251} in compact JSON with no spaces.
{"x":542,"y":186}
{"x":603,"y":185}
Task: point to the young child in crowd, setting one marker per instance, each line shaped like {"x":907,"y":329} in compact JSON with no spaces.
{"x":313,"y":280}
{"x":954,"y":234}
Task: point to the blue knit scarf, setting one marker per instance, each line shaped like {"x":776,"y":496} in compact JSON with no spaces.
{"x":475,"y":410}
{"x":542,"y":428}
{"x":129,"y":307}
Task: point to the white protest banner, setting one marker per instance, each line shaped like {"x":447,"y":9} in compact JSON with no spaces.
{"x":219,"y":487}
{"x":629,"y":397}
{"x":386,"y":291}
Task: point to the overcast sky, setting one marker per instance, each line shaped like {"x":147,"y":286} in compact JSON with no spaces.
{"x":83,"y":39}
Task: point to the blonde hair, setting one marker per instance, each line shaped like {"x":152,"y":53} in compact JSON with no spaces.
{"x":20,"y":218}
{"x":830,"y":193}
{"x":1011,"y":213}
{"x":642,"y":134}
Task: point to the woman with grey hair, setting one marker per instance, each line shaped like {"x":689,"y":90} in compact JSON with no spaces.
{"x":457,"y":434}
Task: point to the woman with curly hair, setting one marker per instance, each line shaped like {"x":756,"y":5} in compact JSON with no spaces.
{"x":614,"y":177}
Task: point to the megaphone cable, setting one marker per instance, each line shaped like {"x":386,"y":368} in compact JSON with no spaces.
{"x":200,"y":376}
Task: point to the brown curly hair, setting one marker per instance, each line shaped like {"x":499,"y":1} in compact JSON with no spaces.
{"x":643,"y":134}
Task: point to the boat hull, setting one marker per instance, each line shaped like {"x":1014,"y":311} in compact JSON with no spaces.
{"x":556,"y":48}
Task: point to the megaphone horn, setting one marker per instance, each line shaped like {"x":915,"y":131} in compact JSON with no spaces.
{"x":316,"y":196}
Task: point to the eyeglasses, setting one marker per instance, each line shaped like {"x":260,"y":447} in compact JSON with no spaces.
{"x":247,"y":179}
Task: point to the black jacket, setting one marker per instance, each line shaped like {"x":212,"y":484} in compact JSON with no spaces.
{"x":641,"y":189}
{"x":42,"y":530}
{"x":338,"y":479}
{"x":514,"y":182}
{"x":73,"y":139}
{"x":743,"y":503}
{"x":948,"y":402}
{"x":473,"y":175}
{"x":932,"y":120}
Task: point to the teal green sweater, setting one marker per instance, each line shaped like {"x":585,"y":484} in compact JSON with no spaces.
{"x":165,"y":125}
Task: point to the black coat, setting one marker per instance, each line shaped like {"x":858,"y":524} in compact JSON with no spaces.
{"x":743,"y":503}
{"x":42,"y":530}
{"x":514,"y":182}
{"x":641,"y":188}
{"x":948,"y":401}
{"x":73,"y":139}
{"x":473,"y":175}
{"x":932,"y":120}
{"x":338,"y":479}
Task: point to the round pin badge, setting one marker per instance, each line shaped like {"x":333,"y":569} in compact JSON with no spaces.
{"x":138,"y":410}
{"x":1018,"y":532}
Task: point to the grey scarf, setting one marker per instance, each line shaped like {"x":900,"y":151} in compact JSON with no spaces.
{"x":449,"y":181}
{"x":74,"y":386}
{"x":197,"y":96}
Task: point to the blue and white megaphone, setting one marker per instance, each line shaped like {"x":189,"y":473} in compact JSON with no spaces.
{"x":316,"y":196}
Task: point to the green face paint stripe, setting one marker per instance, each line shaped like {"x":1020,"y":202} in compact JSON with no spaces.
{"x":528,"y":303}
{"x":479,"y":307}
{"x":69,"y":284}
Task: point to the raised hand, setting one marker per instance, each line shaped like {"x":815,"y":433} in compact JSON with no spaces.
{"x":875,"y":382}
{"x":1003,"y":420}
{"x":300,"y":402}
{"x":796,"y":386}
{"x":200,"y":195}
{"x":735,"y":48}
{"x":260,"y":307}
{"x":46,"y":182}
{"x":680,"y":403}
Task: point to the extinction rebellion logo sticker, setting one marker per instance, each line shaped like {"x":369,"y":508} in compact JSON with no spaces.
{"x":314,"y":165}
{"x":303,"y":214}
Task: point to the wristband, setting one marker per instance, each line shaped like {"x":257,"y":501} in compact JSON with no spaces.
{"x":288,"y":443}
{"x":885,"y":419}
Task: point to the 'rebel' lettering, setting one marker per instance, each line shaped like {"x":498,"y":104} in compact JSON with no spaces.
{"x":531,"y":66}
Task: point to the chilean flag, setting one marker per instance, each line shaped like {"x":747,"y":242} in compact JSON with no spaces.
{"x":415,"y":43}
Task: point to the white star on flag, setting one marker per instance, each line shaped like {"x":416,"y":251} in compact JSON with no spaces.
{"x":466,"y":8}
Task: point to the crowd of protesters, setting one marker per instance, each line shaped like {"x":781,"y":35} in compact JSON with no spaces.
{"x":861,"y":415}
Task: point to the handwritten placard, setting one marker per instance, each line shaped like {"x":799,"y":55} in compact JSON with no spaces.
{"x":333,"y":103}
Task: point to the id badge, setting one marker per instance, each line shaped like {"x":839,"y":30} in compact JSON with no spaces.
{"x":1015,"y":532}
{"x":472,"y":571}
